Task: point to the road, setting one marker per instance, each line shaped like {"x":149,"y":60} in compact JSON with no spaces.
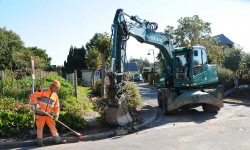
{"x":194,"y":129}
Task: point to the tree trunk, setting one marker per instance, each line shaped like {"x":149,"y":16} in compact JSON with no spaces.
{"x":103,"y":73}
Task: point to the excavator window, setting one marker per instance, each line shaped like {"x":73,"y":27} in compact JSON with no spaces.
{"x":198,"y":63}
{"x":182,"y":65}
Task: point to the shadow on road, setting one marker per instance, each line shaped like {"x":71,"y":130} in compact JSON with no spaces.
{"x":182,"y":116}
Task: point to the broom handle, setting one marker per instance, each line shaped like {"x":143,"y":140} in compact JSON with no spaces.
{"x":60,"y":122}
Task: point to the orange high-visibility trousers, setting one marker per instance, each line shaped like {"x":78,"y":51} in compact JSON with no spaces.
{"x":40,"y":122}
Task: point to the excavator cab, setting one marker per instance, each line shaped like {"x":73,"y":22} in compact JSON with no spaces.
{"x":191,"y":68}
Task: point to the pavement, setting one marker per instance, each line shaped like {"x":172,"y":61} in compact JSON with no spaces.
{"x":147,"y":114}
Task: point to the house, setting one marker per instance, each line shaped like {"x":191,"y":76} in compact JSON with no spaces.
{"x":224,"y":41}
{"x":130,"y":67}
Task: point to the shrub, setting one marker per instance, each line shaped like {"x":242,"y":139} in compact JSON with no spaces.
{"x":96,"y":88}
{"x":134,"y":97}
{"x":15,"y":117}
{"x":72,"y":120}
{"x":243,"y":76}
{"x":224,"y":74}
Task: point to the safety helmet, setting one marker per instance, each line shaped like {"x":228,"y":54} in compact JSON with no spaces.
{"x":56,"y":83}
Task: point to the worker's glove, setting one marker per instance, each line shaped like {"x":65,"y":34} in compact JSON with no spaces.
{"x":55,"y":117}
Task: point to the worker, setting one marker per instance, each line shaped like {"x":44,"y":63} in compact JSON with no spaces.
{"x":47,"y":100}
{"x":179,"y":66}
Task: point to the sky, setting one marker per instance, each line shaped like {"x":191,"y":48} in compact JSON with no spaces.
{"x":56,"y":25}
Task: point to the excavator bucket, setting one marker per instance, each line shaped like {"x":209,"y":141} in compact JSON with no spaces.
{"x":118,"y":115}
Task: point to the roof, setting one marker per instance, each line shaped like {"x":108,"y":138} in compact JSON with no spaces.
{"x":224,"y":40}
{"x":130,"y":67}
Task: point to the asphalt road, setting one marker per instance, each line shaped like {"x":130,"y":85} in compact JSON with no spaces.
{"x":194,"y":129}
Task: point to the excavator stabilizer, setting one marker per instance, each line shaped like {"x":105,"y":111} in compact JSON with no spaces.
{"x":118,"y":115}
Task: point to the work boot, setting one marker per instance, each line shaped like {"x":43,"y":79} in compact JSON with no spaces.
{"x":40,"y":142}
{"x":58,"y":140}
{"x":62,"y":142}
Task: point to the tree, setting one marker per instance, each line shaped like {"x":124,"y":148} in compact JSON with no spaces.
{"x":215,"y":52}
{"x":194,"y":31}
{"x":101,"y":43}
{"x":244,"y":60}
{"x":76,"y":60}
{"x":232,"y":58}
{"x":10,"y":42}
{"x":42,"y":60}
{"x":140,"y":63}
{"x":189,"y":31}
{"x":16,"y":57}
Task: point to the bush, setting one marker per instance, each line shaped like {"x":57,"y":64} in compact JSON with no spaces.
{"x":243,"y":76}
{"x":134,"y":97}
{"x":15,"y":117}
{"x":96,"y":88}
{"x":224,"y":75}
{"x":71,"y":119}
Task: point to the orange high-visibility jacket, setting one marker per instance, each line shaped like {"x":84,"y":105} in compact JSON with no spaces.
{"x":47,"y":100}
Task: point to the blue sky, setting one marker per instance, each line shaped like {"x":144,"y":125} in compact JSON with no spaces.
{"x":55,"y":25}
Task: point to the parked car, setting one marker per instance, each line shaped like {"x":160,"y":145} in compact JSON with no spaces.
{"x":137,"y":77}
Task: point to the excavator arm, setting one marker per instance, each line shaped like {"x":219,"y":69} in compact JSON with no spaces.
{"x":143,"y":31}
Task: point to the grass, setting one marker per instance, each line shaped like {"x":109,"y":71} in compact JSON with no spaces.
{"x":83,"y":92}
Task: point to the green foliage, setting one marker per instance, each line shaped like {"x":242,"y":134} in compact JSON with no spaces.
{"x":72,"y":120}
{"x":65,"y":91}
{"x":133,"y":95}
{"x":76,"y":60}
{"x":16,"y":57}
{"x":243,"y":76}
{"x":99,"y":45}
{"x":96,"y":88}
{"x":9,"y":44}
{"x":232,"y":55}
{"x":190,"y":30}
{"x":15,"y":103}
{"x":224,"y":74}
{"x":153,"y":78}
{"x":127,"y":76}
{"x":93,"y":59}
{"x":76,"y":106}
{"x":215,"y":52}
{"x":245,"y":58}
{"x":13,"y":123}
{"x":15,"y":117}
{"x":140,"y":63}
{"x":145,"y":73}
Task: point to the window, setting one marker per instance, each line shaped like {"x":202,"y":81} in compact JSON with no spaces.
{"x":204,"y":56}
{"x":198,"y":64}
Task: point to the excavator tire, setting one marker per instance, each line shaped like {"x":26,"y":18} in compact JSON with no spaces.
{"x":165,"y":103}
{"x":210,"y":108}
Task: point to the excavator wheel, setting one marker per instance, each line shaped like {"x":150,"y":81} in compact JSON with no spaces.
{"x":210,"y":108}
{"x":165,"y":104}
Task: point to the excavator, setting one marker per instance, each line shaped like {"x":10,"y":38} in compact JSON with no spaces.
{"x":187,"y":80}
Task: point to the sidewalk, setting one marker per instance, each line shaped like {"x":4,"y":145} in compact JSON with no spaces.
{"x":147,"y":114}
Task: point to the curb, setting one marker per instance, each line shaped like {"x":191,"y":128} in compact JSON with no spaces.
{"x":49,"y":141}
{"x":238,"y":103}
